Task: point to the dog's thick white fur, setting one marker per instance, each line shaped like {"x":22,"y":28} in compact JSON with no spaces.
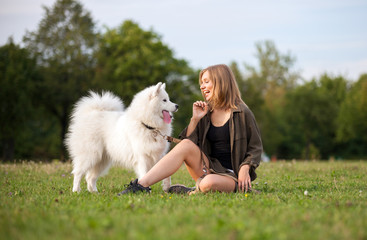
{"x":103,"y":133}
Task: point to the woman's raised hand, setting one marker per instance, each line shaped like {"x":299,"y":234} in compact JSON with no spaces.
{"x":199,"y":109}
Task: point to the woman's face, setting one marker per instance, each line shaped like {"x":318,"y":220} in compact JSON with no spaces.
{"x":206,"y":86}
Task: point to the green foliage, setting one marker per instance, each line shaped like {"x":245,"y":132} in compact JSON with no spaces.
{"x":130,"y":59}
{"x":302,"y":120}
{"x":352,"y":118}
{"x":275,"y":69}
{"x":311,"y":112}
{"x":36,"y":202}
{"x":19,"y":79}
{"x":63,"y":45}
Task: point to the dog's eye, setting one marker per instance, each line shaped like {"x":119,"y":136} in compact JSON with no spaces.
{"x":164,"y":100}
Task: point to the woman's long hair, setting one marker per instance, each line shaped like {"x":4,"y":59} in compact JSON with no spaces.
{"x":225,"y":89}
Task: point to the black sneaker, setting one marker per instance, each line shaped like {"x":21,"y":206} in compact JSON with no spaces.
{"x":134,"y":187}
{"x":178,"y":188}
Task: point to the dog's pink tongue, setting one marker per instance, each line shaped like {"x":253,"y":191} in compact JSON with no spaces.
{"x":166,"y":117}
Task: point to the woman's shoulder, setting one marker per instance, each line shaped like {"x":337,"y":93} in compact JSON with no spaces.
{"x":242,"y":107}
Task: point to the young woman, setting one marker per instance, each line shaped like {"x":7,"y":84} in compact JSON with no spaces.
{"x":221,"y":146}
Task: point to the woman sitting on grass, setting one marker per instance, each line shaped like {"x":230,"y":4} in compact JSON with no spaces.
{"x":221,"y":146}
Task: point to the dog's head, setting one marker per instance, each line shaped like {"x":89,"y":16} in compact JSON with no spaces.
{"x":153,"y":107}
{"x":164,"y":107}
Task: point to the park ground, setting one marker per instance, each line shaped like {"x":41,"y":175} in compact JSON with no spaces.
{"x":297,"y":200}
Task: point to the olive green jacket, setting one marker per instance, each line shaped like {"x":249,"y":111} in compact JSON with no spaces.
{"x":246,"y":145}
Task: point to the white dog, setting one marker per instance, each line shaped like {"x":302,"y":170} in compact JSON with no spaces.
{"x":102,"y":133}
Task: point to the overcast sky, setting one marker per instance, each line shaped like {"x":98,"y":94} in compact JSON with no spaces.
{"x":324,"y":35}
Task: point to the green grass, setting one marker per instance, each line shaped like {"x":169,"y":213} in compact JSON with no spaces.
{"x":36,"y":202}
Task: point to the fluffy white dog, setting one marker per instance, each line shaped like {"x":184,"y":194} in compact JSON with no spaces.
{"x":102,"y":133}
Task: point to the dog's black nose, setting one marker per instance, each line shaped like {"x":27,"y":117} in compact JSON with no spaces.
{"x":176,"y":107}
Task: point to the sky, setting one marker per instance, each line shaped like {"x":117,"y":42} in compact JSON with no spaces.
{"x":325,"y":36}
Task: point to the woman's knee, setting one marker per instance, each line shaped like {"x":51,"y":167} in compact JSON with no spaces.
{"x":207,"y":184}
{"x":186,"y":143}
{"x":187,"y":146}
{"x":213,"y":182}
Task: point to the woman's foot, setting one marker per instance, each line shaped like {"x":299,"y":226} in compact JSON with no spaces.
{"x":134,"y":187}
{"x":179,"y":188}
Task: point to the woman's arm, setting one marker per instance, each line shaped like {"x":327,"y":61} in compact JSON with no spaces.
{"x":253,"y":155}
{"x":199,"y":109}
{"x":191,"y":127}
{"x":254,"y":143}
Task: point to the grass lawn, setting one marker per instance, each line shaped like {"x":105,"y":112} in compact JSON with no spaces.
{"x":36,"y":202}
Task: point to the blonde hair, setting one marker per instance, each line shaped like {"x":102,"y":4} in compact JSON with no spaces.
{"x":225,"y":89}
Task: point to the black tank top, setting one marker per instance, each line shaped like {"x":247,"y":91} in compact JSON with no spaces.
{"x":220,"y":144}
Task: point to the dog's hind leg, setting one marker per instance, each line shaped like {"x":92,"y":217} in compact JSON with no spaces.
{"x":91,"y":179}
{"x":95,"y":172}
{"x":79,"y":169}
{"x":77,"y":178}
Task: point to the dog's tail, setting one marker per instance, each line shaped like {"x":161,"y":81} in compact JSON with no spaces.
{"x":107,"y":101}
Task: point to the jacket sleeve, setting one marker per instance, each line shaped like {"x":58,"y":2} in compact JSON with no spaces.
{"x":193,"y":136}
{"x":254,"y":147}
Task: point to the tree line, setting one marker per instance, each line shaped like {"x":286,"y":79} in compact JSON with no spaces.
{"x":325,"y":117}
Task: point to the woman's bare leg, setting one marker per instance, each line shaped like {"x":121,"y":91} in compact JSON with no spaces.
{"x":215,"y":182}
{"x":184,"y":152}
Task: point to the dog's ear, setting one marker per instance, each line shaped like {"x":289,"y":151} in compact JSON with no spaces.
{"x":157,"y":88}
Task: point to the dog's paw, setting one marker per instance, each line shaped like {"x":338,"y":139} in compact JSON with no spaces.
{"x":166,"y":188}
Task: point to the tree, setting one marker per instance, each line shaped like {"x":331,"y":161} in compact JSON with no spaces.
{"x":302,"y":113}
{"x":333,"y":90}
{"x":264,"y":89}
{"x":18,"y":79}
{"x":311,"y":111}
{"x":63,"y":45}
{"x":129,"y":59}
{"x":352,"y":119}
{"x":275,"y":69}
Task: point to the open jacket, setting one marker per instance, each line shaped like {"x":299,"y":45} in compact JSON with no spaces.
{"x":245,"y":141}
